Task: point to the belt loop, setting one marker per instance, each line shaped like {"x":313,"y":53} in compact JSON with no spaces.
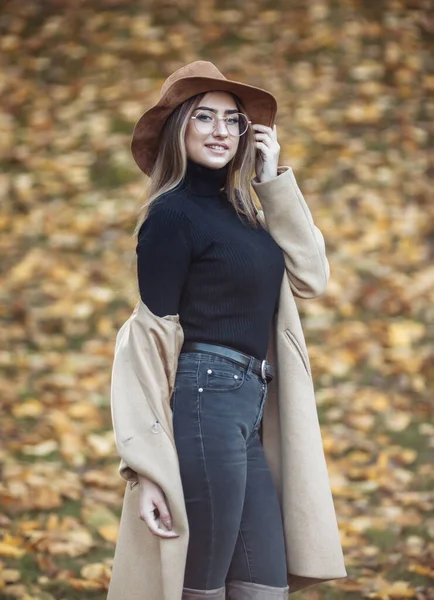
{"x":250,"y":367}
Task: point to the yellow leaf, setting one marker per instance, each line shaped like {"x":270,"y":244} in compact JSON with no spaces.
{"x":422,"y":570}
{"x":10,"y":575}
{"x":96,"y":571}
{"x":405,"y":332}
{"x":101,"y":445}
{"x":85,"y":584}
{"x":11,"y":551}
{"x":400,"y":589}
{"x":109,"y":532}
{"x":42,"y":449}
{"x":29,"y":408}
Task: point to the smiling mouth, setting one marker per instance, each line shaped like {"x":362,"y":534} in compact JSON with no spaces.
{"x":216,"y":147}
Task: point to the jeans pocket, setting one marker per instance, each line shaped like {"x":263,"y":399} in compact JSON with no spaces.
{"x":187,"y":367}
{"x":222,"y":377}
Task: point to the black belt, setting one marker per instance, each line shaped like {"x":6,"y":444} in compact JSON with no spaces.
{"x":261,"y":367}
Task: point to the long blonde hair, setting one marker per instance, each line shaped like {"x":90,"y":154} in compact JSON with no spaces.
{"x":171,"y":163}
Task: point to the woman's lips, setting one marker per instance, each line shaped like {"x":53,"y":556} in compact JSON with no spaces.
{"x":220,"y":150}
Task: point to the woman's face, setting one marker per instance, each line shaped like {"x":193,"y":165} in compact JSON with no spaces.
{"x":213,"y":150}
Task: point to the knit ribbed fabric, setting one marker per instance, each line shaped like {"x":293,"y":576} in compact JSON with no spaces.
{"x":197,"y":258}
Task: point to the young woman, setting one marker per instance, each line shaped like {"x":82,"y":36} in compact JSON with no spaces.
{"x":205,"y":262}
{"x":198,"y":258}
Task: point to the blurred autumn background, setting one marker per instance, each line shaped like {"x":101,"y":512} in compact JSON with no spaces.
{"x":353,"y":81}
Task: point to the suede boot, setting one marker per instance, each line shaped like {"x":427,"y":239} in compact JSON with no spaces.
{"x":245,"y":590}
{"x":216,"y":594}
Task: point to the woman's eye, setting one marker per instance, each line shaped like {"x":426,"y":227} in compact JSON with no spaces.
{"x":232,"y":120}
{"x":203,"y":117}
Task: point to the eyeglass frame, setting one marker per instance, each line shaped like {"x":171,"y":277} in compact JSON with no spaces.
{"x":217,"y":119}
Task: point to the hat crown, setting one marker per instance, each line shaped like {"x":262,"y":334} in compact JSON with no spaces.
{"x":198,"y":68}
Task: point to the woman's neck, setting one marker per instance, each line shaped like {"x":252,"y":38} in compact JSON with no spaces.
{"x":204,"y":181}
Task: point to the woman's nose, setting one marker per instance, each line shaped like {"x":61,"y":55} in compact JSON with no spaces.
{"x":221,"y":128}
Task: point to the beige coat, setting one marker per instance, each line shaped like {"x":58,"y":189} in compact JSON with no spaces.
{"x":147,"y":567}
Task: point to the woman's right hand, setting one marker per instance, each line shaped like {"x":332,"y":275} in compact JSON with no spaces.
{"x":151,"y":497}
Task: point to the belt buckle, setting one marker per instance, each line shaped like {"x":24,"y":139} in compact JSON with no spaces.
{"x":263,"y":374}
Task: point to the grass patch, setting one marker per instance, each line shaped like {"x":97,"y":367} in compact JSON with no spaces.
{"x":120,"y":125}
{"x":384,"y":539}
{"x":411,"y":438}
{"x":104,"y":174}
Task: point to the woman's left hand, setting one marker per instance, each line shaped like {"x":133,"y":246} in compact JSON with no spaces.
{"x":267,"y":152}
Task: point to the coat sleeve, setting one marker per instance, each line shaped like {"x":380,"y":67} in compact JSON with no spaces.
{"x":143,"y":374}
{"x":289,"y":220}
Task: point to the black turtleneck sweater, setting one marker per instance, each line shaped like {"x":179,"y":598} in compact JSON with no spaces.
{"x":197,"y":258}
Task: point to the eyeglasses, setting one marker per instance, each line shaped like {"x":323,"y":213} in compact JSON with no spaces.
{"x":206,"y":121}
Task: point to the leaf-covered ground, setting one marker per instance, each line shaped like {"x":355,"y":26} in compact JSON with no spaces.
{"x":354,"y":81}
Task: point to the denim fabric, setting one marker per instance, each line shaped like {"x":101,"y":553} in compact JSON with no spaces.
{"x":234,"y":516}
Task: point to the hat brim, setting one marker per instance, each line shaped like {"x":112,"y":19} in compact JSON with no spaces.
{"x":260,"y":106}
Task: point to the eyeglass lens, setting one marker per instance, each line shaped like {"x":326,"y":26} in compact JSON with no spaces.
{"x":206,"y":122}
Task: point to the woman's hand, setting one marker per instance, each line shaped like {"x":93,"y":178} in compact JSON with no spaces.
{"x":151,"y":497}
{"x":267,"y":152}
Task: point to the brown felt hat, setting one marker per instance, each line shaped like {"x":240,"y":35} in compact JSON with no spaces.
{"x":194,"y":78}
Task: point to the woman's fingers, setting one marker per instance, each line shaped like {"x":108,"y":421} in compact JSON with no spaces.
{"x":164,"y":512}
{"x":152,"y":498}
{"x":264,"y":137}
{"x":266,"y":140}
{"x":272,"y":132}
{"x":261,"y":146}
{"x":154,"y":525}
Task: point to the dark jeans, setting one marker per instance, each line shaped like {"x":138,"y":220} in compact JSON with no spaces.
{"x":234,"y":516}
